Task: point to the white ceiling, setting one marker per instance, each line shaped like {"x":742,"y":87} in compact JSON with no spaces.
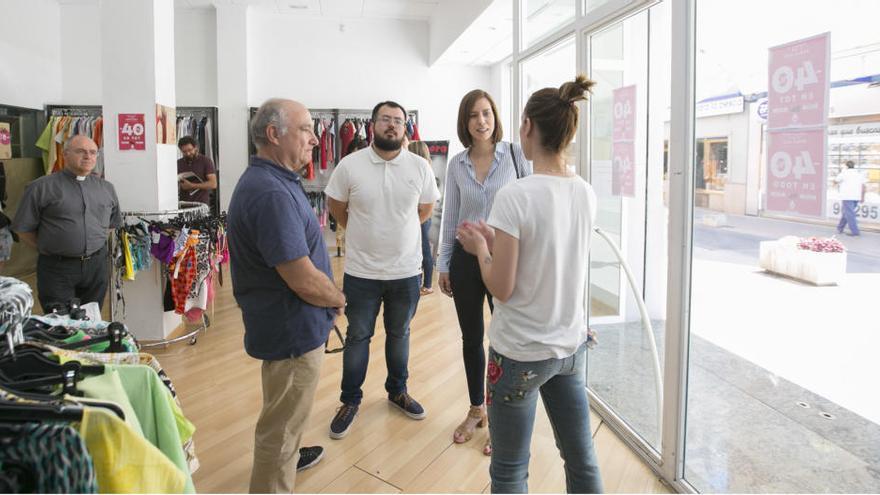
{"x":489,"y":39}
{"x":381,"y":9}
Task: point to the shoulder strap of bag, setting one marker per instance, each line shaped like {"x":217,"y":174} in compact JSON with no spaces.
{"x":515,"y":164}
{"x":327,"y":349}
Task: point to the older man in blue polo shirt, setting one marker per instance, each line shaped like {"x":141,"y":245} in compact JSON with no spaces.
{"x":282,"y":281}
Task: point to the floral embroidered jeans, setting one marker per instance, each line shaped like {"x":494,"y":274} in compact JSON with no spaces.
{"x":512,"y":389}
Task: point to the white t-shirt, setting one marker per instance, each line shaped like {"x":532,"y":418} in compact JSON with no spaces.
{"x":850,"y":183}
{"x":553,"y":219}
{"x":383,"y":235}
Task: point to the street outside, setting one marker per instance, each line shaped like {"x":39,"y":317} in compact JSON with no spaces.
{"x":824,"y":339}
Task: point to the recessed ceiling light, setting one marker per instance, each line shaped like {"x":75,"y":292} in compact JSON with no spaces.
{"x":298,"y":6}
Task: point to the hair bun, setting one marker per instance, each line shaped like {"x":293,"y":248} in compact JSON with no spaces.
{"x":573,"y":91}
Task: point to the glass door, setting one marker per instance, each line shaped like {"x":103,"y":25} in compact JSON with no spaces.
{"x":627,"y":129}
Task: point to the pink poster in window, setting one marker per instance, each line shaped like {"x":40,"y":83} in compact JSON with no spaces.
{"x":623,"y":175}
{"x":798,"y":83}
{"x":796,"y":172}
{"x":624,"y":114}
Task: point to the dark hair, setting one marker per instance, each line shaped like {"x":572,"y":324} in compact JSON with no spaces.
{"x":393,"y":104}
{"x":421,"y":149}
{"x":554,"y":113}
{"x":356,"y":144}
{"x":187,"y":140}
{"x":850,"y":163}
{"x":464,"y":116}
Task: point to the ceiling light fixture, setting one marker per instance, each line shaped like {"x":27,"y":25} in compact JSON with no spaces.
{"x":298,"y":6}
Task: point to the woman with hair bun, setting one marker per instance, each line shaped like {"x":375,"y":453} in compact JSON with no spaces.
{"x":533,"y":258}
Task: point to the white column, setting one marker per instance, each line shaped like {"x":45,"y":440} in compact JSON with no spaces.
{"x":232,"y":96}
{"x":137,"y":73}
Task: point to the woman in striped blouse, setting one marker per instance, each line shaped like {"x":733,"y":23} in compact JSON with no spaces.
{"x":473,"y":177}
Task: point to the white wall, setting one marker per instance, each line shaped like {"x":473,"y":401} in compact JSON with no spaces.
{"x":500,"y":89}
{"x":195,"y":54}
{"x":80,"y":60}
{"x":30,"y":44}
{"x":370,"y":61}
{"x":195,"y":57}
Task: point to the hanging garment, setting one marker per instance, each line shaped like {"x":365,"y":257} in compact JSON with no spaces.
{"x":44,"y":458}
{"x":44,"y":142}
{"x":125,"y":462}
{"x":126,"y":252}
{"x":185,"y":271}
{"x":415,"y":133}
{"x":108,"y":386}
{"x":161,"y":246}
{"x":346,"y":136}
{"x":203,"y":262}
{"x":326,"y":148}
{"x":161,"y":419}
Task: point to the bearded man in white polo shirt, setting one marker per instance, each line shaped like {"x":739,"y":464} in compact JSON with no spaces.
{"x":381,"y":195}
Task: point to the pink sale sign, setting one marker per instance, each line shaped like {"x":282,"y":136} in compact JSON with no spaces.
{"x":623,"y":174}
{"x":796,"y":171}
{"x":624,"y":114}
{"x":797,"y":90}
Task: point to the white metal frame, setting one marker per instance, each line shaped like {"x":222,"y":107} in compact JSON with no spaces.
{"x":681,"y":222}
{"x":669,"y":461}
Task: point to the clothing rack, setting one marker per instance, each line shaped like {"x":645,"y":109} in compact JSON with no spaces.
{"x":190,"y":211}
{"x":74,"y":110}
{"x":62,"y":122}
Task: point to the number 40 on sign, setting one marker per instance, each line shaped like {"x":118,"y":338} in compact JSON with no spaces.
{"x":131,"y":131}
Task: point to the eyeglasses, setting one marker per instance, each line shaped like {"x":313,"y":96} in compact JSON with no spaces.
{"x":82,"y":152}
{"x":396,"y":121}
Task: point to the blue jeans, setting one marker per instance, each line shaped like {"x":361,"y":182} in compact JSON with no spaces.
{"x":848,"y":216}
{"x":363,"y":297}
{"x":427,"y":259}
{"x":512,"y":395}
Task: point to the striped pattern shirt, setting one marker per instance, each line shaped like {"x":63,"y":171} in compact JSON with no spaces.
{"x":467,"y":199}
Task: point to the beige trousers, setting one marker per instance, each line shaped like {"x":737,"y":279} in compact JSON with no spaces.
{"x":288,"y":394}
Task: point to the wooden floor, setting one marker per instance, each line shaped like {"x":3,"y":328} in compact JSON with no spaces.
{"x":385,"y":452}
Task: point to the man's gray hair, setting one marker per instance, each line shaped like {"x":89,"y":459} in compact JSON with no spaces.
{"x":69,"y":142}
{"x":271,"y":112}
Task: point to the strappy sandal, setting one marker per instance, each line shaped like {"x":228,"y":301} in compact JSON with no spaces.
{"x":465,"y":430}
{"x":487,"y":448}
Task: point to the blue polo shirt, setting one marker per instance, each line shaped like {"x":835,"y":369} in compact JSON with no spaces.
{"x":270,"y":222}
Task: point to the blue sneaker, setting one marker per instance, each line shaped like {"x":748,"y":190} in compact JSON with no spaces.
{"x":342,"y":421}
{"x":408,"y":405}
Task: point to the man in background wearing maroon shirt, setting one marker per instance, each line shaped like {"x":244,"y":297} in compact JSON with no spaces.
{"x":196,"y":188}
